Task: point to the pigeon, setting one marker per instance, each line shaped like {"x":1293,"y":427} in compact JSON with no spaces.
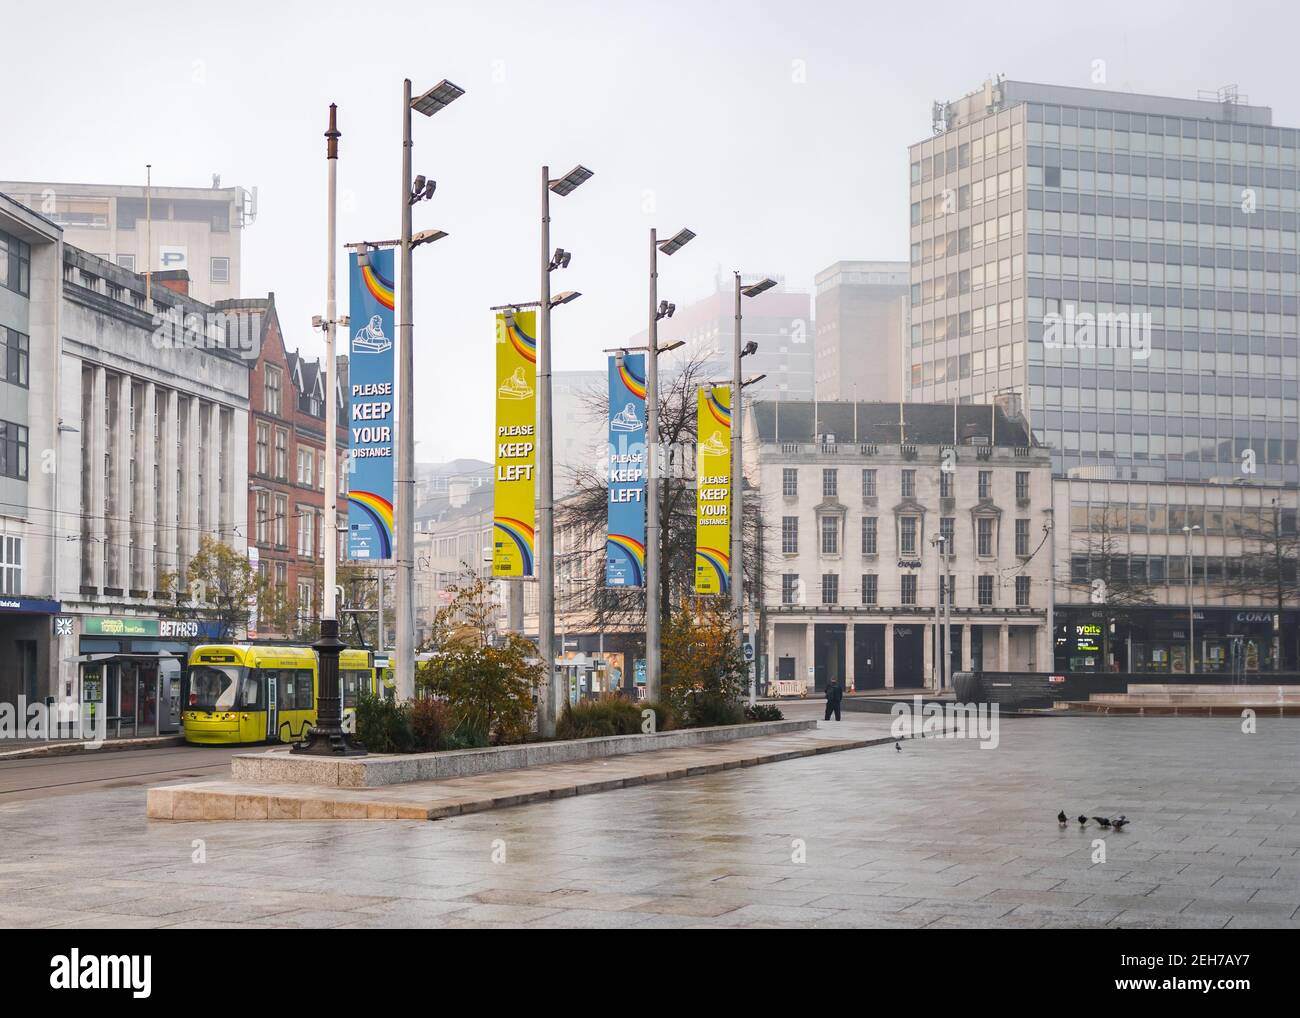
{"x":1083,"y":821}
{"x":898,"y":747}
{"x":1119,"y":822}
{"x":1061,"y":818}
{"x":1103,"y":821}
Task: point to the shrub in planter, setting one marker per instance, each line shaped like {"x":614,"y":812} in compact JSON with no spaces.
{"x":431,"y":724}
{"x":383,"y":725}
{"x":610,"y":715}
{"x":763,"y":712}
{"x":665,"y":718}
{"x":707,"y":709}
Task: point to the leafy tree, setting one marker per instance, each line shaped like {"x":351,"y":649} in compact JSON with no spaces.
{"x":219,"y":585}
{"x":704,"y":673}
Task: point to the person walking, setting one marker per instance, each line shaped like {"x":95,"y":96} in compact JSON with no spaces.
{"x":834,"y":695}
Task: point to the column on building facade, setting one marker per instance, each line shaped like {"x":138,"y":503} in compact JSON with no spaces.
{"x":810,"y":652}
{"x":1004,"y":647}
{"x":189,"y":535}
{"x":770,"y":648}
{"x":889,"y":655}
{"x":967,"y":648}
{"x":211,"y":467}
{"x":94,"y":436}
{"x":927,"y":667}
{"x":848,"y":656}
{"x":167,"y":533}
{"x":120,"y":527}
{"x":148,"y":487}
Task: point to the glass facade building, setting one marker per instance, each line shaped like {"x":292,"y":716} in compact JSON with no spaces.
{"x":1126,"y":264}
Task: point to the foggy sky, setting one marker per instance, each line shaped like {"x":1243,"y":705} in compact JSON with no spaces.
{"x":776,"y":131}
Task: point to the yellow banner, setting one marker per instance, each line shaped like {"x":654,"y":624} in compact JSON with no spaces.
{"x":713,"y":492}
{"x":515,"y":509}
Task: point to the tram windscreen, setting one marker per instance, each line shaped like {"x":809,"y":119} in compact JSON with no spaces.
{"x":212,"y":687}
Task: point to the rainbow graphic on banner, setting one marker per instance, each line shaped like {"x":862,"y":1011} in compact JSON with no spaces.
{"x":380,"y":512}
{"x":713,"y":491}
{"x":514,"y":494}
{"x":626,"y":473}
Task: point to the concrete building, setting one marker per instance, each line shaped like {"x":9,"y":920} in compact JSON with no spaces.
{"x":861,"y":322}
{"x":1127,"y":263}
{"x":854,"y":496}
{"x":1172,"y":566}
{"x":193,"y":228}
{"x":141,"y":437}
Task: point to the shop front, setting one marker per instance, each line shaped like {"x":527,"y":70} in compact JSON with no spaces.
{"x":25,"y":647}
{"x":1165,"y":641}
{"x":130,"y":670}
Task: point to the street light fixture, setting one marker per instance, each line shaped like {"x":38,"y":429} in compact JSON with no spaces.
{"x":553,"y":704}
{"x":428,"y":103}
{"x":658,"y":310}
{"x":427,"y":237}
{"x":738,"y":352}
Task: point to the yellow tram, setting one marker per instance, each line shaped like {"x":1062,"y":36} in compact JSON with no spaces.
{"x":237,"y":693}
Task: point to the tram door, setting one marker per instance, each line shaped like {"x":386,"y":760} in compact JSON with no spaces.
{"x":272,"y":700}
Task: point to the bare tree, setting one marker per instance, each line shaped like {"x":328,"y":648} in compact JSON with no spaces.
{"x":1266,"y":568}
{"x":1111,"y":584}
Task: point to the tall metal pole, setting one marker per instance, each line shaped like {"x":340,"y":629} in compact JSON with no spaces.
{"x":738,"y":499}
{"x":148,"y":233}
{"x":652,"y":469}
{"x":1051,"y":590}
{"x":947,"y":620}
{"x":327,"y":736}
{"x":405,"y":651}
{"x":938,"y":621}
{"x":1191,"y":615}
{"x":545,"y":484}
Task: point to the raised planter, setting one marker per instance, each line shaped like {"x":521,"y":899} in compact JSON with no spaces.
{"x":281,"y":767}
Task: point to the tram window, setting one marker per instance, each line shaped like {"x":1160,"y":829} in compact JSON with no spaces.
{"x":212,"y":687}
{"x":295,"y":690}
{"x":253,"y":691}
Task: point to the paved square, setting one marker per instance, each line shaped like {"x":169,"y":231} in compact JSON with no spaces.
{"x":941,"y":834}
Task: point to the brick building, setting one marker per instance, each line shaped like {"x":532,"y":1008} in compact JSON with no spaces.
{"x":286,"y":467}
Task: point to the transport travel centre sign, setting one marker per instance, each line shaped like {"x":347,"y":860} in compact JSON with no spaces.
{"x":163,"y":629}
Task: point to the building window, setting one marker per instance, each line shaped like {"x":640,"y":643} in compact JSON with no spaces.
{"x":830,"y":482}
{"x":1022,"y":537}
{"x":984,"y":537}
{"x":986,"y":484}
{"x":306,"y":542}
{"x":306,"y":464}
{"x":13,"y":450}
{"x":272,"y":390}
{"x":869,"y":535}
{"x":13,"y":357}
{"x":304,"y":602}
{"x":789,"y":482}
{"x":1022,"y":484}
{"x":830,"y":588}
{"x":909,"y":484}
{"x":127,"y":262}
{"x":870,"y":588}
{"x":830,"y":535}
{"x":985,"y":590}
{"x":11,"y":565}
{"x":263,"y":501}
{"x":219,"y":270}
{"x":869,"y":482}
{"x":790,"y":535}
{"x":282,"y":578}
{"x":15,"y":264}
{"x":909,"y":588}
{"x":263,"y":452}
{"x":790,"y":588}
{"x":281,"y":521}
{"x":948,"y":531}
{"x":1022,"y":591}
{"x":907,"y":535}
{"x":945,"y":484}
{"x":281,"y":454}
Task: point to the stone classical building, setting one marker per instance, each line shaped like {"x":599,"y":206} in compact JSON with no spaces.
{"x":856,"y":497}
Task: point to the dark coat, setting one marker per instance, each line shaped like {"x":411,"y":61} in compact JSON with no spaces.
{"x":834,"y":693}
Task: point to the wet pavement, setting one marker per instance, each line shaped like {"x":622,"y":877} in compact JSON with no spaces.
{"x":943,"y":833}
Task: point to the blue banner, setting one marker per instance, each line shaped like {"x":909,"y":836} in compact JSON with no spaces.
{"x":371,"y":407}
{"x":625,"y":544}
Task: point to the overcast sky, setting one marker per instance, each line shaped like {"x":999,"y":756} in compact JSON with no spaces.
{"x":776,"y":130}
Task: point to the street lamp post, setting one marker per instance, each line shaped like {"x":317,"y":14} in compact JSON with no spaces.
{"x":657,"y":310}
{"x":1191,"y":614}
{"x":738,"y":474}
{"x":554,"y":705}
{"x":939,"y":636}
{"x":428,"y":104}
{"x":327,"y":737}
